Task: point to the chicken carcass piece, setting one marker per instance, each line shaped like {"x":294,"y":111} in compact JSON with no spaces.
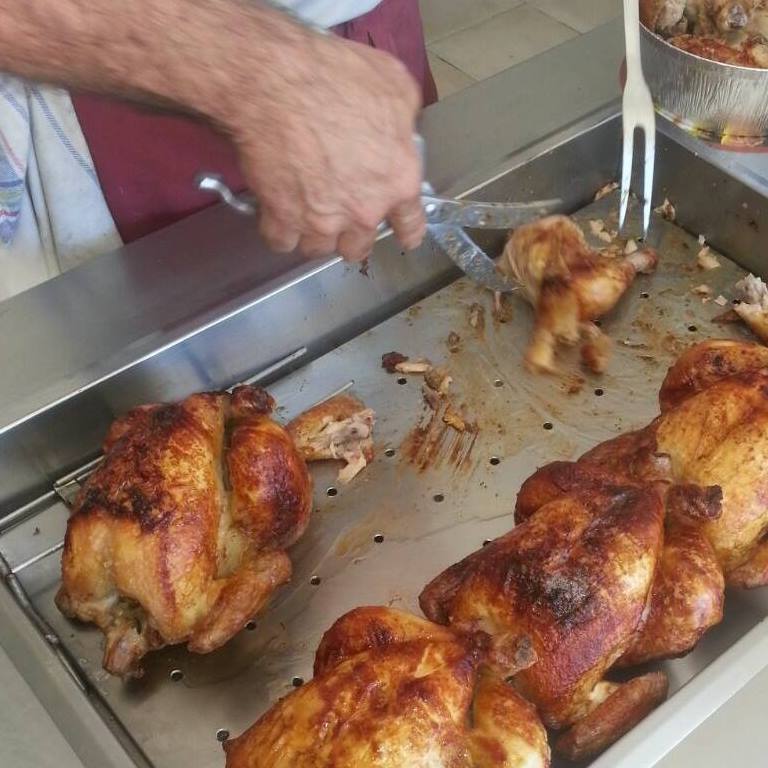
{"x":340,"y":428}
{"x":575,"y":578}
{"x":569,"y":285}
{"x":753,"y":307}
{"x":395,"y":691}
{"x":179,"y":535}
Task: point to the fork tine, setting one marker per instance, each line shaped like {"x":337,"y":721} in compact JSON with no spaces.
{"x":650,"y":154}
{"x":626,"y":171}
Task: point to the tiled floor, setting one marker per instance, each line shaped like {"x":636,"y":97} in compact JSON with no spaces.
{"x":470,"y":40}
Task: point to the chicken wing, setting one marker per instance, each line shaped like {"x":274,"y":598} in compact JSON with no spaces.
{"x":179,"y":535}
{"x":393,"y":691}
{"x":570,"y":285}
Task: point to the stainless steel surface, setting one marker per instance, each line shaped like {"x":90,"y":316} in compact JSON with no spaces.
{"x":719,"y":102}
{"x":472,"y":260}
{"x":637,"y":115}
{"x":430,"y":497}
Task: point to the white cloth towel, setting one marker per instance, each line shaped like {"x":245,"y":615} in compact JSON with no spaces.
{"x":53,"y":215}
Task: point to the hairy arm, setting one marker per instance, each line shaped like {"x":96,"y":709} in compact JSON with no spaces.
{"x":323,"y":126}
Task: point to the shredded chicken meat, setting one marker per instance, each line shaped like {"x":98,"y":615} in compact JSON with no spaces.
{"x":339,"y":429}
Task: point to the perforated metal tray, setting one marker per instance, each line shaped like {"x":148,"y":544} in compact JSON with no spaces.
{"x":419,"y":507}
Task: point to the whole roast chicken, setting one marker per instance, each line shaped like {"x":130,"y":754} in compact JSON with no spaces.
{"x":391,"y":690}
{"x":569,"y":285}
{"x":179,"y":535}
{"x":575,"y":578}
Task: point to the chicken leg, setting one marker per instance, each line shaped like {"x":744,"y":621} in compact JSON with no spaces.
{"x":570,"y":285}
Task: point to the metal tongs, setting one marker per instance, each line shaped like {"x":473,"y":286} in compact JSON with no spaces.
{"x":446,"y":220}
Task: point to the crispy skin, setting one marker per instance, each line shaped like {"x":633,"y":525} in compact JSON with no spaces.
{"x":710,"y":445}
{"x":705,"y":363}
{"x":754,"y":572}
{"x":687,"y":597}
{"x":575,"y":578}
{"x":394,"y":691}
{"x":719,"y":437}
{"x":158,"y":551}
{"x":619,"y":713}
{"x":569,"y":285}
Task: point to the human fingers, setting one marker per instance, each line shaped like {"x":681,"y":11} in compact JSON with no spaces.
{"x":409,"y":223}
{"x":277,"y":232}
{"x":357,"y":243}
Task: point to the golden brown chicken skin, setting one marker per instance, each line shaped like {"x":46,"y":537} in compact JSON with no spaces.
{"x":179,"y":535}
{"x":395,"y":691}
{"x":575,"y":578}
{"x":570,"y":285}
{"x":705,"y":363}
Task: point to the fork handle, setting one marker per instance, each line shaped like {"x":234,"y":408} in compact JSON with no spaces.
{"x":632,"y":35}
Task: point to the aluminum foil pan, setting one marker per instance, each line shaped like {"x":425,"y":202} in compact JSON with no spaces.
{"x":722,"y":103}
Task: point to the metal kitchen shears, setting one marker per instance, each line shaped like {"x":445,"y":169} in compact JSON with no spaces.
{"x":446,"y":221}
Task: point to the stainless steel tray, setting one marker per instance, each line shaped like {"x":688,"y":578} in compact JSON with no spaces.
{"x":409,"y":515}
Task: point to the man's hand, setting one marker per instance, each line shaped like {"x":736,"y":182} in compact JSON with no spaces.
{"x":324,"y":126}
{"x":330,"y":155}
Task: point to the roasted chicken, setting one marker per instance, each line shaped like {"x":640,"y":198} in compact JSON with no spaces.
{"x":569,"y":285}
{"x":728,"y":31}
{"x":707,"y":446}
{"x":699,"y":17}
{"x":394,"y":691}
{"x":575,"y":578}
{"x":179,"y":535}
{"x":714,"y":428}
{"x":338,"y":429}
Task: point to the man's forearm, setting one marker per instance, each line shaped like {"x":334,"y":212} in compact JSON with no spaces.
{"x":345,"y":111}
{"x":187,"y":53}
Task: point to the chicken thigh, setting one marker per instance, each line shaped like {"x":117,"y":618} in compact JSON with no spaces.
{"x":570,"y":285}
{"x":575,"y":578}
{"x":395,"y":691}
{"x":179,"y":535}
